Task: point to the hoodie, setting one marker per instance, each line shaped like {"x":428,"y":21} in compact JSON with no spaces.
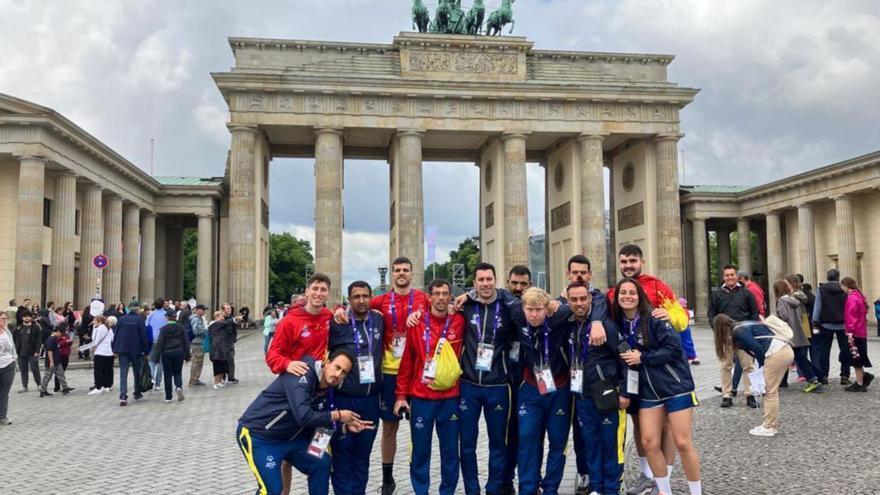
{"x":299,"y":334}
{"x":790,"y":310}
{"x":855,"y":315}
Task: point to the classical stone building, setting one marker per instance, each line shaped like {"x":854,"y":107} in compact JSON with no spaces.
{"x":495,"y":102}
{"x":65,"y":197}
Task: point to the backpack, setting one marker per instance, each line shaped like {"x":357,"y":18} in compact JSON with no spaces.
{"x":779,"y":327}
{"x":448,"y":369}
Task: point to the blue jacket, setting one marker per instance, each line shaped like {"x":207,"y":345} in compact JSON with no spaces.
{"x":130,"y":335}
{"x":664,"y":372}
{"x":342,"y":337}
{"x":290,"y":406}
{"x":532,"y":347}
{"x":598,"y":362}
{"x":497,"y":311}
{"x":752,"y":338}
{"x":155,"y":322}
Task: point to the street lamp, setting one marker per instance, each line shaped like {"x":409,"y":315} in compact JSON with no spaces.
{"x":383,"y":271}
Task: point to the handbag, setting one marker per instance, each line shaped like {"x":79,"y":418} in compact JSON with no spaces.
{"x":206,"y":343}
{"x":604,"y":393}
{"x":448,"y":368}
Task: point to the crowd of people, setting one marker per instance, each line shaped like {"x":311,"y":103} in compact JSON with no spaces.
{"x":534,"y":366}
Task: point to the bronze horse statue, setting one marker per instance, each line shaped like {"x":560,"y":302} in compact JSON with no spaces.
{"x":474,"y":21}
{"x":499,"y":18}
{"x":441,"y":16}
{"x":420,"y":16}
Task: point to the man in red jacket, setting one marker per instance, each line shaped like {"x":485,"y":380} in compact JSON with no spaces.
{"x":430,"y":406}
{"x":396,"y":307}
{"x":304,"y":331}
{"x":745,"y":278}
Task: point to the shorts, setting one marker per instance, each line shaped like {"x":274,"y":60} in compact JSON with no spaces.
{"x":672,"y":404}
{"x":862,"y":346}
{"x":387,"y":397}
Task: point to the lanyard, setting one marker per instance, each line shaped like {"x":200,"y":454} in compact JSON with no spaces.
{"x":368,"y":331}
{"x":494,"y":323}
{"x":575,"y":342}
{"x":631,"y":334}
{"x":428,"y":333}
{"x":409,"y":307}
{"x":546,"y":344}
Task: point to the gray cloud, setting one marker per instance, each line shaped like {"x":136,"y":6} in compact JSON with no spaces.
{"x":786,"y":86}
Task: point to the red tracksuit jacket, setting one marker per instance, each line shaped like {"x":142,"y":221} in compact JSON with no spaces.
{"x":409,"y":376}
{"x":299,"y":334}
{"x":383,"y":304}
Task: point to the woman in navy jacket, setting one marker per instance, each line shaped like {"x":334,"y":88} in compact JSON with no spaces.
{"x":665,"y":385}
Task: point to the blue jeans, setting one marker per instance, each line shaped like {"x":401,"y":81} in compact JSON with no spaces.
{"x":172,"y":368}
{"x":267,"y":339}
{"x":548,"y":414}
{"x":602,"y":435}
{"x":494,"y":402}
{"x":351,"y":451}
{"x":446,"y":415}
{"x":264,"y":458}
{"x":156,"y":372}
{"x":126,"y":360}
{"x":804,"y":365}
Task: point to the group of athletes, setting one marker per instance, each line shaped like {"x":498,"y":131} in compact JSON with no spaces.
{"x":532,"y":365}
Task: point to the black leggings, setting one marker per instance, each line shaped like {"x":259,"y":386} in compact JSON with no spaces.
{"x":220,"y":367}
{"x":103,"y":371}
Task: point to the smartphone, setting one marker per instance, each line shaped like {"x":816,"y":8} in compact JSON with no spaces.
{"x":623,"y":346}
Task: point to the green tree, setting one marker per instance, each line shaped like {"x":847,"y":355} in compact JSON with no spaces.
{"x":288,"y":257}
{"x":190,"y":250}
{"x":468,"y":254}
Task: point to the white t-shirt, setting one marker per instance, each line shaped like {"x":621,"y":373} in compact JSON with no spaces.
{"x":7,"y":349}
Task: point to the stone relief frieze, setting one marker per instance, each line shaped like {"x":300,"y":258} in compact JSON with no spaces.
{"x":455,"y":108}
{"x":465,"y":63}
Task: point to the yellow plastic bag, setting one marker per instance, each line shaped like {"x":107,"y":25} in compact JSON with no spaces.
{"x":448,"y":369}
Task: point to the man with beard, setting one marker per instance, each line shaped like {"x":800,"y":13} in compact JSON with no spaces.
{"x":666,"y":307}
{"x":396,"y":307}
{"x":518,"y":280}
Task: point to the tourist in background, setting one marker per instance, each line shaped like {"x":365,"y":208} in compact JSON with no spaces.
{"x":232,"y":322}
{"x":828,"y":315}
{"x":130,"y":342}
{"x":198,"y":329}
{"x":28,"y":339}
{"x":155,"y":322}
{"x":8,"y":357}
{"x":269,"y":323}
{"x":771,"y":352}
{"x":102,"y":343}
{"x":790,"y":310}
{"x":53,"y":364}
{"x":221,"y":347}
{"x":171,"y":349}
{"x":11,"y":311}
{"x":856,"y":327}
{"x":64,"y":345}
{"x":84,"y":330}
{"x":69,"y":315}
{"x":877,"y":314}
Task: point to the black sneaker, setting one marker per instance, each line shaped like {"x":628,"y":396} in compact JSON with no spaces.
{"x":389,"y":488}
{"x":726,"y":402}
{"x":867,"y":380}
{"x":752,"y":402}
{"x":234,"y":381}
{"x":67,"y":390}
{"x":824,"y":381}
{"x":45,"y":393}
{"x":844,"y":380}
{"x":138,"y":396}
{"x":123,"y":402}
{"x":853,"y":387}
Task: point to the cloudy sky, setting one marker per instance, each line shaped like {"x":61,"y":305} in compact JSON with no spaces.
{"x":786,"y":86}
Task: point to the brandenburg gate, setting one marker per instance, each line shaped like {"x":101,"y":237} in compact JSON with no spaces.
{"x":493,"y":101}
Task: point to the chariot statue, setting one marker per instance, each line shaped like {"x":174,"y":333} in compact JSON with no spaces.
{"x":450,"y":18}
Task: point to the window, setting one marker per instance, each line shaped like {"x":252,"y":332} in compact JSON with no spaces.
{"x":47,"y":209}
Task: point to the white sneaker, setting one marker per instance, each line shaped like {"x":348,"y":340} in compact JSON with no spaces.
{"x":218,"y":386}
{"x":106,"y":389}
{"x":180,"y":396}
{"x":761,"y":431}
{"x":97,"y":391}
{"x":158,"y":389}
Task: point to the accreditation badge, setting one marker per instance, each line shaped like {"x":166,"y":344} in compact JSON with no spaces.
{"x":366,"y":370}
{"x":577,"y":380}
{"x":320,"y":441}
{"x":485,"y":353}
{"x":398,"y":344}
{"x":632,"y":381}
{"x":546,"y":383}
{"x":514,"y":351}
{"x":429,"y":372}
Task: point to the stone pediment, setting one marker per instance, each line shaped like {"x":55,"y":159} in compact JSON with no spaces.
{"x":12,"y":105}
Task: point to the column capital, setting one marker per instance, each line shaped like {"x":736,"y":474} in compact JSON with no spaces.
{"x":337,"y":131}
{"x":66,"y":173}
{"x":205,"y":215}
{"x":668,"y":137}
{"x":34,"y":158}
{"x":805,"y":206}
{"x":514,"y":135}
{"x":841,"y":197}
{"x":233,"y":128}
{"x":410,"y":132}
{"x":773,"y":213}
{"x":149,"y":213}
{"x":592,"y":136}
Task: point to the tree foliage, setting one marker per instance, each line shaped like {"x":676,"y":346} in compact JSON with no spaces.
{"x":468,"y":254}
{"x":288,"y":257}
{"x":190,"y":258}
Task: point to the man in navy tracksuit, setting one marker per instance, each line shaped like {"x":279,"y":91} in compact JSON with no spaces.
{"x":290,"y":420}
{"x":485,"y":382}
{"x":598,"y":370}
{"x":544,"y":396}
{"x":362,"y":337}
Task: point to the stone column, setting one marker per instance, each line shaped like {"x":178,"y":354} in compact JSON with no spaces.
{"x":593,"y":236}
{"x":743,"y":245}
{"x":147,"y":286}
{"x":411,"y":208}
{"x":847,"y":261}
{"x":723,"y":240}
{"x":174,"y":263}
{"x":130,"y":253}
{"x":242,"y":217}
{"x":516,"y":210}
{"x":29,"y":229}
{"x":807,"y":246}
{"x":775,"y":267}
{"x":701,"y":269}
{"x":91,"y":242}
{"x":205,"y":261}
{"x":112,"y":284}
{"x":161,"y":288}
{"x":669,"y":248}
{"x":328,"y":208}
{"x":60,"y":274}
